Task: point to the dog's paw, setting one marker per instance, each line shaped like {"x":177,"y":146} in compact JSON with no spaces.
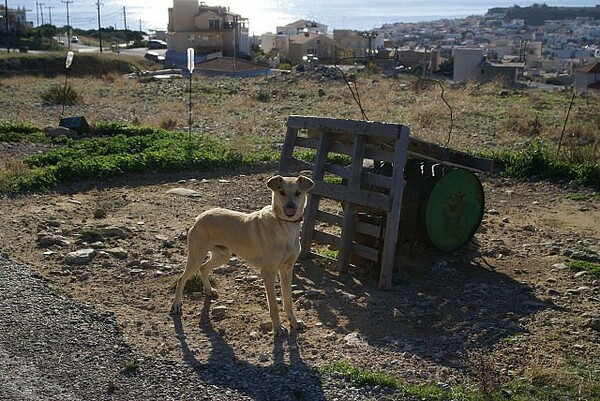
{"x":279,"y":330}
{"x":176,"y":308}
{"x":298,"y":325}
{"x":211,"y":292}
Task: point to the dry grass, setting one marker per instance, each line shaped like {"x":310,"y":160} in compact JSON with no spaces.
{"x":251,"y":113}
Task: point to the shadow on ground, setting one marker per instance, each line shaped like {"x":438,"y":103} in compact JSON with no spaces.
{"x":440,"y":308}
{"x":294,"y":380}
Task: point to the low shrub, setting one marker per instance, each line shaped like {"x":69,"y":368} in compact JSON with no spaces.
{"x":57,"y":94}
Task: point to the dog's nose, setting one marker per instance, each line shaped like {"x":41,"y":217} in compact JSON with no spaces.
{"x":289,"y":209}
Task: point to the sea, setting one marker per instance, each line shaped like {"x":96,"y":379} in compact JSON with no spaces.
{"x":265,"y":15}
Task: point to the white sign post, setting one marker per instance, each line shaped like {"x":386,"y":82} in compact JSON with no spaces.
{"x":190,"y":67}
{"x":68,"y":62}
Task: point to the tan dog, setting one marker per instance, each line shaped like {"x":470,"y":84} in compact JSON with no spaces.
{"x":268,"y":239}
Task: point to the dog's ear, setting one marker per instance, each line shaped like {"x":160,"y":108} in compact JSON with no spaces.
{"x":305,"y":184}
{"x":274,"y":183}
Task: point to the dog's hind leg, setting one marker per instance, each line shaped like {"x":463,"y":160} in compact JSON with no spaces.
{"x":219,"y":255}
{"x":192,"y":266}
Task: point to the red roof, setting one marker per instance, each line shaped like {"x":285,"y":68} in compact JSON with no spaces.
{"x":590,"y":69}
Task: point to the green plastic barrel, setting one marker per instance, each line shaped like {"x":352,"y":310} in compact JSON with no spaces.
{"x":454,"y":209}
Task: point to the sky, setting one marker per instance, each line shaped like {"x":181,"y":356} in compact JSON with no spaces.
{"x":266,"y":15}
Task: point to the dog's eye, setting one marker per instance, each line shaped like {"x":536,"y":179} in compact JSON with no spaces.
{"x":282,"y":192}
{"x":297,"y":193}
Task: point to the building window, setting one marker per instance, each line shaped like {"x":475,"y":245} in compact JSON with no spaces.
{"x":214,"y":24}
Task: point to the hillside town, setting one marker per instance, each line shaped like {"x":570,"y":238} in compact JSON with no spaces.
{"x":478,"y":48}
{"x":563,"y":51}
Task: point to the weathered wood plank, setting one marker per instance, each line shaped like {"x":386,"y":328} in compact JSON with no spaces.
{"x":285,"y":161}
{"x":344,"y":125}
{"x":448,"y":156}
{"x":366,"y":252}
{"x":393,"y":217}
{"x":372,"y":230}
{"x":329,"y":218}
{"x":358,"y":151}
{"x":313,"y":199}
{"x":359,"y":197}
{"x":326,"y":238}
{"x":310,"y":143}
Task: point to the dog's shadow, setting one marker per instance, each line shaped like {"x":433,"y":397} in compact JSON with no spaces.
{"x":295,"y":380}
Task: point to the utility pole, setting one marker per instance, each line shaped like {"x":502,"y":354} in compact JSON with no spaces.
{"x":6,"y":19}
{"x":50,"y":13}
{"x":42,"y":11}
{"x":125,"y":25}
{"x":140,"y":26}
{"x":99,"y":27}
{"x":37,"y":12}
{"x":67,"y":2}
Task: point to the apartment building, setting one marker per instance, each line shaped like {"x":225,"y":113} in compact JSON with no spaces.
{"x":16,"y":17}
{"x":208,"y":29}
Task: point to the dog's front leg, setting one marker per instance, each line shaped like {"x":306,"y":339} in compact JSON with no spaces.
{"x":269,"y":280}
{"x":285,"y":278}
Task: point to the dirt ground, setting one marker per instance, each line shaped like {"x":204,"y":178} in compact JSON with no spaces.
{"x":505,"y":304}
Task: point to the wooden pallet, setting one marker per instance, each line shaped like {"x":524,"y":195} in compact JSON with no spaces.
{"x":374,"y":142}
{"x":361,"y":140}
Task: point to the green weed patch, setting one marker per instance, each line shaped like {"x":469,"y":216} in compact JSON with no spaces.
{"x":581,"y":265}
{"x":537,"y":161}
{"x":121,"y":150}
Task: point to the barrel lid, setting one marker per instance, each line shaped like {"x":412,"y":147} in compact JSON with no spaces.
{"x":454,"y":209}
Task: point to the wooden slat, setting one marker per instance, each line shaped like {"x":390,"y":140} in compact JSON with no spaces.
{"x":338,"y":170}
{"x":313,"y":200}
{"x":326,"y":238}
{"x":359,"y":197}
{"x":372,"y":230}
{"x":309,"y":143}
{"x":366,"y":252}
{"x":344,"y":125}
{"x":286,"y":152}
{"x":358,"y":151}
{"x":329,"y":218}
{"x":449,"y":156}
{"x":393,"y":217}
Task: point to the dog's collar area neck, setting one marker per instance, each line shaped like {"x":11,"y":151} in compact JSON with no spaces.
{"x":299,"y":220}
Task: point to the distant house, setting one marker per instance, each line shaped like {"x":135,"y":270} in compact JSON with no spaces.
{"x":301,"y":26}
{"x":281,"y":40}
{"x":276,"y":42}
{"x":311,"y":45}
{"x":355,"y":44}
{"x":231,"y":67}
{"x":470,"y":65}
{"x":587,"y":78}
{"x":207,"y":29}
